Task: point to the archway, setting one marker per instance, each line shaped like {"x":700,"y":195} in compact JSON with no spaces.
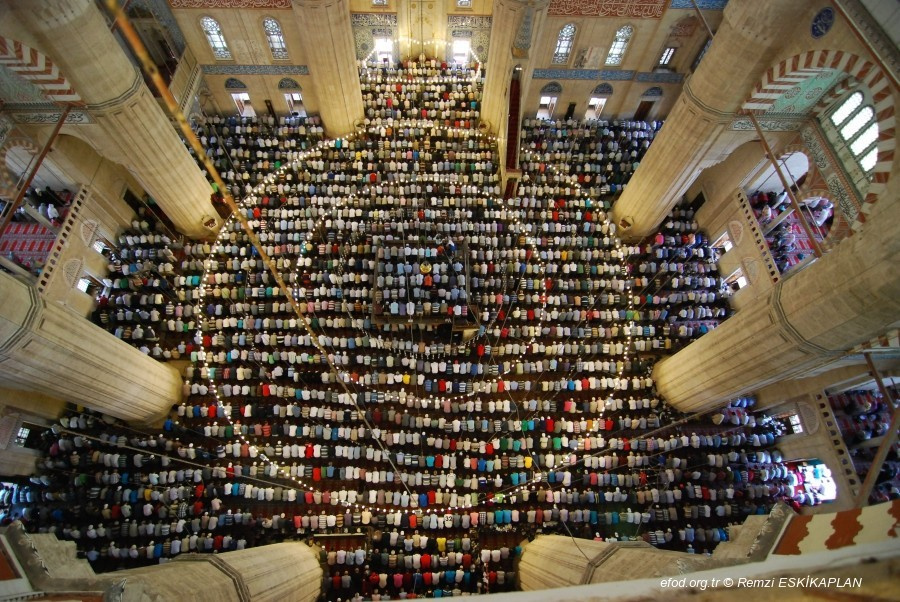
{"x":789,"y":72}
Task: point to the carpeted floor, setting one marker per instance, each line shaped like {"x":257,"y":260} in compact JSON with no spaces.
{"x":29,"y":243}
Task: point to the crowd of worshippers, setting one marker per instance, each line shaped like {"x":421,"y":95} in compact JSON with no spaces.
{"x":140,"y":300}
{"x":448,"y":94}
{"x":600,"y":155}
{"x":541,"y":419}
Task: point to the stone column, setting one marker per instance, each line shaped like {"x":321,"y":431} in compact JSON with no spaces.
{"x":327,"y":39}
{"x":555,"y":561}
{"x":510,"y":45}
{"x":697,"y":131}
{"x":283,"y":572}
{"x":77,"y":37}
{"x":48,"y":349}
{"x":278,"y":572}
{"x":847,"y":297}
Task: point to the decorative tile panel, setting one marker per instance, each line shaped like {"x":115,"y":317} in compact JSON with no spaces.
{"x":523,"y":34}
{"x":469,"y":21}
{"x":639,"y":9}
{"x":160,"y":9}
{"x":288,"y":84}
{"x":841,"y":198}
{"x":685,"y":27}
{"x":703,"y":4}
{"x":663,"y":77}
{"x":255,"y":69}
{"x":811,"y":140}
{"x":373,"y":19}
{"x":583,"y":74}
{"x":481,"y":41}
{"x":16,"y":89}
{"x":5,"y":128}
{"x":551,"y":88}
{"x":822,"y":22}
{"x":276,"y":4}
{"x":768,"y":125}
{"x":73,"y":118}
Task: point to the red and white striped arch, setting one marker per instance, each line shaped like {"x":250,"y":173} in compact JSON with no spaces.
{"x":788,"y":73}
{"x":38,"y":69}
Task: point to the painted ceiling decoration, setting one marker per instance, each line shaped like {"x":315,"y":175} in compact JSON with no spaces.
{"x":16,"y":90}
{"x":638,"y":9}
{"x":163,"y":15}
{"x":807,"y":93}
{"x":685,"y":27}
{"x":373,"y":19}
{"x":275,"y":4}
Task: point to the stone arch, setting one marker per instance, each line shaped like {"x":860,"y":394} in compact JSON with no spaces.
{"x":812,"y":169}
{"x":37,"y":68}
{"x":786,"y":74}
{"x":7,"y":178}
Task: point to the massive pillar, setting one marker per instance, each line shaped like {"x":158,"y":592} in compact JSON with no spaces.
{"x":276,"y":573}
{"x":697,"y":132}
{"x":515,"y":24}
{"x":287,"y":572}
{"x":555,"y":561}
{"x":847,"y":297}
{"x":330,"y":53}
{"x":77,"y":37}
{"x":46,"y":348}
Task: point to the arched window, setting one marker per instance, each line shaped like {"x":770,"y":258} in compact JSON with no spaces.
{"x":856,"y":125}
{"x":620,"y":43}
{"x":564,"y":44}
{"x":276,"y":39}
{"x":216,"y":40}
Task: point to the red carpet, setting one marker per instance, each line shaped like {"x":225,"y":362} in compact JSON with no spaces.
{"x":29,"y":243}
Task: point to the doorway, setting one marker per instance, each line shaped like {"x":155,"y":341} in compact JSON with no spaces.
{"x":643,"y":110}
